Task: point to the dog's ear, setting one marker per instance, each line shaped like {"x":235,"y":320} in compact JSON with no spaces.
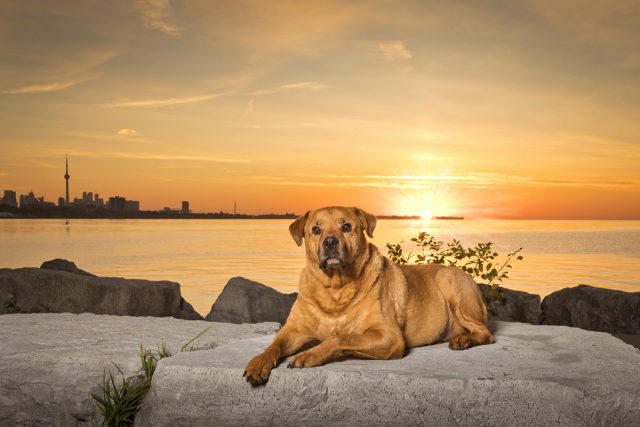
{"x":368,"y":221}
{"x":296,"y":229}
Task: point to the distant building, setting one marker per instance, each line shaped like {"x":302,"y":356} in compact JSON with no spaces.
{"x":87,"y":198}
{"x":61,"y":201}
{"x":185,"y":207}
{"x":98,"y":202}
{"x":132,"y":205}
{"x":27,"y":200}
{"x":117,"y":203}
{"x":9,"y":199}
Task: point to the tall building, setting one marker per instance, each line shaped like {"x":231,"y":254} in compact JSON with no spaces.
{"x":117,"y":203}
{"x":185,"y":207}
{"x":9,"y":199}
{"x":28,"y":200}
{"x":66,"y":178}
{"x":131,"y":205}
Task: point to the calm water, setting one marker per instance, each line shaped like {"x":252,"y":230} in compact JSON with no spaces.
{"x":203,"y":254}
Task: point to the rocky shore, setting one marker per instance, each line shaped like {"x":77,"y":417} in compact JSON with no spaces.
{"x":538,"y":373}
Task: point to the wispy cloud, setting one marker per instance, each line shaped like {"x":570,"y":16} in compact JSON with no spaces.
{"x":43,"y":88}
{"x":395,"y":50}
{"x":156,"y":15}
{"x":415,"y":182}
{"x":128,"y":132}
{"x":292,"y":86}
{"x":163,"y":102}
{"x":149,"y":156}
{"x":251,"y":105}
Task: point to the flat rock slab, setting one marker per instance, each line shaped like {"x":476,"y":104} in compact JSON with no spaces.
{"x":49,"y":363}
{"x":533,"y":376}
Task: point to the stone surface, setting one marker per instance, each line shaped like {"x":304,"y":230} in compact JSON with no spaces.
{"x":512,"y":306}
{"x":594,"y":309}
{"x":64,"y":265}
{"x":246,"y":301}
{"x":533,"y":376}
{"x":35,"y":290}
{"x":49,"y":363}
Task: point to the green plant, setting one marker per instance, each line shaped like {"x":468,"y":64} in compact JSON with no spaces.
{"x":118,"y":401}
{"x":480,"y":261}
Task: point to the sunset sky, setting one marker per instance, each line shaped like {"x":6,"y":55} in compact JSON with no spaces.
{"x":487,"y":109}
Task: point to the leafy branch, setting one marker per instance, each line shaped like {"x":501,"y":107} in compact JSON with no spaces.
{"x":480,"y":261}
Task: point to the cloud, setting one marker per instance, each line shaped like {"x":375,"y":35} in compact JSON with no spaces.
{"x":251,"y":104}
{"x":415,"y":182}
{"x":163,"y":102}
{"x":155,"y":15}
{"x":394,"y":50}
{"x":128,"y":132}
{"x":292,"y":86}
{"x":42,"y":88}
{"x":305,"y":85}
{"x":149,"y":156}
{"x":152,"y":156}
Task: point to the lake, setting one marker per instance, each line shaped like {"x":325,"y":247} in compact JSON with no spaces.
{"x":202,"y":255}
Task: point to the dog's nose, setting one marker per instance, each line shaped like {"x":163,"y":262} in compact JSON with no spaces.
{"x":330,"y":242}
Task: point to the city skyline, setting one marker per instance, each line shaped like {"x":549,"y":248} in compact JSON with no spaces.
{"x":484,"y":110}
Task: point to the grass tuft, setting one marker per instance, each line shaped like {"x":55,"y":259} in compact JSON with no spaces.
{"x":119,"y":401}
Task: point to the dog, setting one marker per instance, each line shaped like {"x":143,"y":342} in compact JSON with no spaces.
{"x":356,"y":302}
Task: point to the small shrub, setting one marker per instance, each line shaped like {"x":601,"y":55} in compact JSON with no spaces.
{"x":480,"y":261}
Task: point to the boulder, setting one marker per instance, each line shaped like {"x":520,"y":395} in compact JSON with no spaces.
{"x":60,"y":264}
{"x":594,"y":309}
{"x":35,"y":290}
{"x":532,"y":375}
{"x":50,"y":363}
{"x":246,"y":301}
{"x":512,"y":306}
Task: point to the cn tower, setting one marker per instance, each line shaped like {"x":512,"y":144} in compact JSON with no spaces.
{"x":66,"y":178}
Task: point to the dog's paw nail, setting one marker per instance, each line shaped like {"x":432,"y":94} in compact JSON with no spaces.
{"x":290,"y":366}
{"x":244,"y":374}
{"x":302,"y":365}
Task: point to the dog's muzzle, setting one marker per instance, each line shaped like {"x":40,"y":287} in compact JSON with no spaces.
{"x":331,"y":254}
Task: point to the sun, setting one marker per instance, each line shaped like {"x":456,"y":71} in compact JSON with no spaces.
{"x":426,"y":214}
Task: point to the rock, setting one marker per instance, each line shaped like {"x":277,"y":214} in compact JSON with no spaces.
{"x":512,"y":306}
{"x":49,"y":363}
{"x":187,"y":311}
{"x":594,"y":309}
{"x":246,"y":301}
{"x":64,"y":265}
{"x":532,"y":375}
{"x":35,"y":290}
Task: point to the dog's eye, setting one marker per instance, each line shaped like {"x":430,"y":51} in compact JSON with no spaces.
{"x":315,"y":230}
{"x":346,"y":227}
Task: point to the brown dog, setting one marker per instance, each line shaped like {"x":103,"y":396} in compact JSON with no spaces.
{"x":356,"y":302}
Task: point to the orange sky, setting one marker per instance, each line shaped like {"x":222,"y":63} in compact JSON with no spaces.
{"x":524,"y":109}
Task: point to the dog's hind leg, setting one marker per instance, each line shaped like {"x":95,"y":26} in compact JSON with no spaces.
{"x":468,"y":310}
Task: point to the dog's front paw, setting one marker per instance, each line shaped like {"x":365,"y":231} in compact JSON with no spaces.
{"x":306,"y":359}
{"x":258,"y":369}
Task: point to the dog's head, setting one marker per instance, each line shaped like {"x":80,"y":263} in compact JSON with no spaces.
{"x":334,"y":236}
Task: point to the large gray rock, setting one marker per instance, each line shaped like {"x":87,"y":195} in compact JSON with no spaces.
{"x":531,"y":376}
{"x":512,"y":306}
{"x":64,"y":265}
{"x":49,"y":363}
{"x":595,"y":309}
{"x":35,"y":290}
{"x":246,"y":301}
